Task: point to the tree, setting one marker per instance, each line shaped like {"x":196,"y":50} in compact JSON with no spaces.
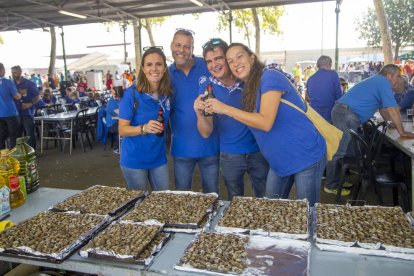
{"x":148,"y":23}
{"x":254,"y":20}
{"x":400,"y":17}
{"x":52,"y":60}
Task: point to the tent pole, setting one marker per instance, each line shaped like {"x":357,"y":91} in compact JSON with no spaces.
{"x":64,"y":54}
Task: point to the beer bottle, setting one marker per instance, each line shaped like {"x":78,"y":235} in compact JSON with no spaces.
{"x":160,"y":118}
{"x":208,"y":94}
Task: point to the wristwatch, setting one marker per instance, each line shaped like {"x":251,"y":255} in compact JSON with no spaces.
{"x":143,"y":132}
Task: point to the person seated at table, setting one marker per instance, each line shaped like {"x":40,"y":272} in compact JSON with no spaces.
{"x":344,"y":84}
{"x":112,"y":110}
{"x":400,"y":89}
{"x":91,"y":101}
{"x":143,"y":153}
{"x":82,"y":84}
{"x":82,"y":92}
{"x":356,"y":107}
{"x":48,"y":98}
{"x":408,"y":100}
{"x":72,"y":98}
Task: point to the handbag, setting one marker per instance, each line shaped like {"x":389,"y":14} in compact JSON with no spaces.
{"x":332,"y":135}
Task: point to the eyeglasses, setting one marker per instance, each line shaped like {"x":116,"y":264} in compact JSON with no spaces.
{"x":185,"y":31}
{"x":152,"y":48}
{"x":213,"y":42}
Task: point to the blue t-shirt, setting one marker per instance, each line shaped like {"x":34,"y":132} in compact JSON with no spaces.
{"x":143,"y":151}
{"x":408,"y":100}
{"x":324,"y":89}
{"x":69,"y":100}
{"x":293,"y":143}
{"x":7,"y":92}
{"x":367,"y":96}
{"x":235,"y":137}
{"x":110,"y":111}
{"x":30,"y":93}
{"x":186,"y":141}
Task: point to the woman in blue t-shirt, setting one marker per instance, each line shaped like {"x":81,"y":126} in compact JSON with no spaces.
{"x":143,"y":152}
{"x":295,"y":150}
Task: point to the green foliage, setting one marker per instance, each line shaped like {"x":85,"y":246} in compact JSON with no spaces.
{"x":243,"y":20}
{"x":400,"y":17}
{"x":1,"y":40}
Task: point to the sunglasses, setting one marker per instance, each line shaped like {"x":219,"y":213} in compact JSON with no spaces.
{"x":153,"y":48}
{"x":213,"y":42}
{"x":185,"y":31}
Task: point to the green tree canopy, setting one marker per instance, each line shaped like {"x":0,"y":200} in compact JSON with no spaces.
{"x":244,"y":20}
{"x":400,"y":16}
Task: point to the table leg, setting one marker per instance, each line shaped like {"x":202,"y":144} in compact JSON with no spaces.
{"x":41,"y":136}
{"x":412,"y":184}
{"x":71,"y":134}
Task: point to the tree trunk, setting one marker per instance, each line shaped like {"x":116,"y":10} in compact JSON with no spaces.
{"x":149,"y":31}
{"x":247,"y":33}
{"x":257,"y":31}
{"x":137,"y":43}
{"x":52,"y":59}
{"x":384,"y":30}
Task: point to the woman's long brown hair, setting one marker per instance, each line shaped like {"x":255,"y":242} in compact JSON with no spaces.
{"x":253,"y":83}
{"x":143,"y":85}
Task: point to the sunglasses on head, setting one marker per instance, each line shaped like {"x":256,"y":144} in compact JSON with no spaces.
{"x":185,"y":31}
{"x":152,"y":48}
{"x":213,"y":42}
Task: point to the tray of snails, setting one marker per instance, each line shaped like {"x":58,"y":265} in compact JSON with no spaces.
{"x":410,"y":216}
{"x":50,"y":236}
{"x":281,"y":218}
{"x":127,"y":242}
{"x":238,"y":254}
{"x":372,"y":230}
{"x":180,"y":211}
{"x":101,"y":200}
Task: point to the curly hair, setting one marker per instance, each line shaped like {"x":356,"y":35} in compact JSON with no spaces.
{"x":253,"y":83}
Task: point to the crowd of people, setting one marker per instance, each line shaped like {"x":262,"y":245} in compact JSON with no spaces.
{"x":248,"y":127}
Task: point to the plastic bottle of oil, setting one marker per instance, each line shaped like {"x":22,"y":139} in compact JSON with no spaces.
{"x":9,"y":169}
{"x":26,"y":156}
{"x":16,"y":195}
{"x":8,"y":165}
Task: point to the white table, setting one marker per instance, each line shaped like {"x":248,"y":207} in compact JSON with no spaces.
{"x":60,"y":117}
{"x":406,"y":146}
{"x":321,"y":262}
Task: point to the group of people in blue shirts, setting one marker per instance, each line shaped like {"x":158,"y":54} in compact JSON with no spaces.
{"x":252,"y":130}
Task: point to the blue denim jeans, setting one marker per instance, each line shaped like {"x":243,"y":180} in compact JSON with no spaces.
{"x":137,"y":179}
{"x":184,"y":170}
{"x":307,"y":182}
{"x":9,"y":127}
{"x":28,"y":126}
{"x":344,"y":119}
{"x":233,"y":168}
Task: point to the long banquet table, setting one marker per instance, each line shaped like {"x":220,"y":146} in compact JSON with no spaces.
{"x":61,"y":117}
{"x":321,"y":262}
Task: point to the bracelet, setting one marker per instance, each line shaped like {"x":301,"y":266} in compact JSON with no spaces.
{"x":143,"y":132}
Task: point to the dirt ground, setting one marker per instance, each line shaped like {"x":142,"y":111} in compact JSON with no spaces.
{"x":101,"y":167}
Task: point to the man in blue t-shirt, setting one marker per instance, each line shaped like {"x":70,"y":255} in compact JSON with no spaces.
{"x":323,"y":88}
{"x":239,"y":152}
{"x":188,"y":147}
{"x":356,"y":107}
{"x":26,"y":105}
{"x":9,"y":116}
